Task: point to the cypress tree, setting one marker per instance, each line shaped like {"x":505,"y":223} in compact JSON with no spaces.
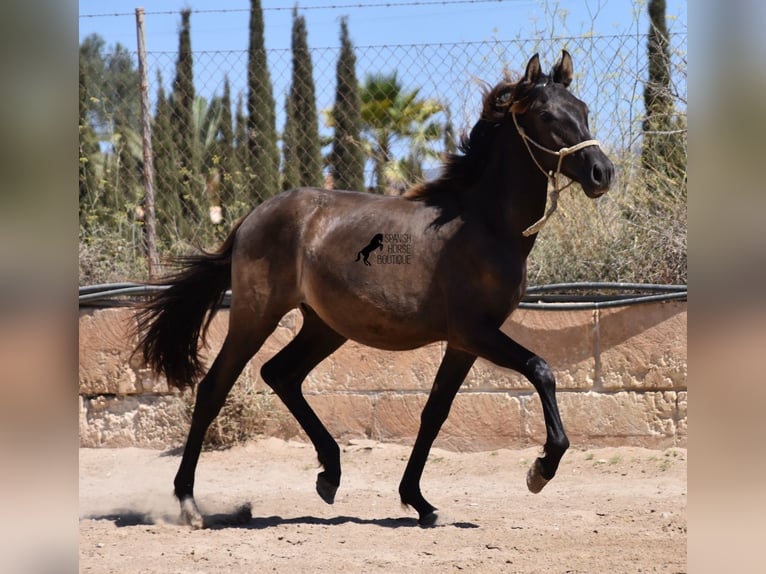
{"x":263,"y":153}
{"x":291,"y":176}
{"x":129,"y":167}
{"x":347,"y":156}
{"x":663,"y":151}
{"x":242,"y":200}
{"x":182,"y":122}
{"x":301,"y":136}
{"x":167,"y":200}
{"x":225,"y":150}
{"x":240,"y":140}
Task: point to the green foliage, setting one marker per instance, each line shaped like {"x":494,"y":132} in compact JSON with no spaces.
{"x":111,"y":249}
{"x":347,"y":156}
{"x":108,"y":116}
{"x":111,"y":83}
{"x":88,"y":147}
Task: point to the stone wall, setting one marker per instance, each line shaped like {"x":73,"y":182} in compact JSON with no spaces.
{"x":621,"y":381}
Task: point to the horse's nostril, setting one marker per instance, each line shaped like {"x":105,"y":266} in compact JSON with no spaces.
{"x":597,"y":175}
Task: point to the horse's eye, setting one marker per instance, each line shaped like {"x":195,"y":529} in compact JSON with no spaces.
{"x":503,"y":99}
{"x":546,"y":116}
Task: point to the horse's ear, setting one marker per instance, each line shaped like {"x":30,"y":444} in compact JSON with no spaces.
{"x":563,"y":70}
{"x":532,"y":73}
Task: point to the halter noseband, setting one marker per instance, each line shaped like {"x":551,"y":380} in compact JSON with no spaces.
{"x":552,"y":176}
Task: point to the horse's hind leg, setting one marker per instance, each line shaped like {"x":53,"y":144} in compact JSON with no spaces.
{"x":452,"y":371}
{"x":211,"y":394}
{"x":285,"y":372}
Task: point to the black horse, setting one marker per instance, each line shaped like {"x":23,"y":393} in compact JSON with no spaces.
{"x":471,"y":231}
{"x":375,"y":243}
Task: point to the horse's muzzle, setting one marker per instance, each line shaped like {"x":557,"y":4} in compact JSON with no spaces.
{"x":600,"y":177}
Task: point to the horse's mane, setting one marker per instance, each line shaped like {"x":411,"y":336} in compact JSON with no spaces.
{"x":460,"y":170}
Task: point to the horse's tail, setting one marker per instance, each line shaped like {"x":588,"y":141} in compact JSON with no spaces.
{"x":358,"y":256}
{"x":169,"y":325}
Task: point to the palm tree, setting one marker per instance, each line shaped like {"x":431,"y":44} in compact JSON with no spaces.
{"x":390,"y":115}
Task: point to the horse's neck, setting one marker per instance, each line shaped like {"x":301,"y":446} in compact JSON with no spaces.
{"x":514,"y":191}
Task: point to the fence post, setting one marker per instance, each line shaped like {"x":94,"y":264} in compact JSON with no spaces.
{"x":146,"y":140}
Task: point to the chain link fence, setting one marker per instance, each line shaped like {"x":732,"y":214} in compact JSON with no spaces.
{"x":206,"y":151}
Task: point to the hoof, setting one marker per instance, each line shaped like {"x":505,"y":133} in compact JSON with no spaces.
{"x":190,"y":514}
{"x":428,"y":519}
{"x":535,"y":479}
{"x":325,"y":490}
{"x":243,"y":514}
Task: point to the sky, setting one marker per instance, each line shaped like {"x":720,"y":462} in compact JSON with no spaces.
{"x":222,"y":26}
{"x":380,"y":22}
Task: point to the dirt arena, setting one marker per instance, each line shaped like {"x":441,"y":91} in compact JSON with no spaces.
{"x":616,"y":510}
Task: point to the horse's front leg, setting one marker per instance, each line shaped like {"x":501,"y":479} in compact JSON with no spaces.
{"x":544,"y":469}
{"x":496,"y":346}
{"x":452,"y":371}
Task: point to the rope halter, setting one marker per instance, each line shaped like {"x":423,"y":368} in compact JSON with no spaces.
{"x":553,"y":176}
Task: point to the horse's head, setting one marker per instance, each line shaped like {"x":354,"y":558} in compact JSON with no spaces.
{"x":554,"y":125}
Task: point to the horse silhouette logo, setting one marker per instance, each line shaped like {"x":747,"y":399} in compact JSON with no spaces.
{"x":375,"y":243}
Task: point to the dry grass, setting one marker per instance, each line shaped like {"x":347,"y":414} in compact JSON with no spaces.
{"x":631,"y":234}
{"x":247,"y":413}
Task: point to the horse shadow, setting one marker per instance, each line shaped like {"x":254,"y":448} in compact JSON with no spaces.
{"x":242,"y":518}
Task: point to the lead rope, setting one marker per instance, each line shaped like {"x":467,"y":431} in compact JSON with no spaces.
{"x":553,"y":177}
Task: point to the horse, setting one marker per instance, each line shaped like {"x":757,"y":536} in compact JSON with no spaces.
{"x":470,"y":232}
{"x":375,"y":243}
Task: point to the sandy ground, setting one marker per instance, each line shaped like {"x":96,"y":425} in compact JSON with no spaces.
{"x":616,"y":510}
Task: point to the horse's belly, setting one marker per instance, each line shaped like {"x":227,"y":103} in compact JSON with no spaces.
{"x":383,"y":335}
{"x":394,"y":321}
